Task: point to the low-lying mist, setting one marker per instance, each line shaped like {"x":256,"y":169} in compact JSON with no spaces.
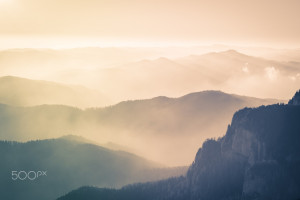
{"x":165,"y":130}
{"x":168,"y":130}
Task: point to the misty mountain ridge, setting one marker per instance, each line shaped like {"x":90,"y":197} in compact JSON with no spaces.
{"x":26,"y":92}
{"x":257,"y":159}
{"x":226,"y":70}
{"x":231,"y":69}
{"x":108,"y":145}
{"x":228,"y":53}
{"x":70,"y":162}
{"x":232,"y":59}
{"x":167,"y":124}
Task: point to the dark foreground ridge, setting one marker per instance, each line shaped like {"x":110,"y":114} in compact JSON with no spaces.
{"x":258,"y":158}
{"x":70,"y":162}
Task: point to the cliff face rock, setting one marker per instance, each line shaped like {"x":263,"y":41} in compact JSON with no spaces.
{"x":268,"y":180}
{"x":269,"y":138}
{"x":258,"y":158}
{"x":216,"y":174}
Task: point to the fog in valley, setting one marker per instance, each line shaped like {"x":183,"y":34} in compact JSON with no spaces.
{"x":153,"y":104}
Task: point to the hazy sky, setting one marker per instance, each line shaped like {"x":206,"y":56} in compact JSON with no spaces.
{"x":139,"y":22}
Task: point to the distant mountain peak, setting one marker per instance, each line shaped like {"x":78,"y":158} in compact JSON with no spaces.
{"x":232,"y":52}
{"x":296,"y":99}
{"x":228,"y":53}
{"x":211,"y":93}
{"x":163,"y":59}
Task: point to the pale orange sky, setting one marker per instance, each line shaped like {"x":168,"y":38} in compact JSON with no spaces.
{"x":132,"y":22}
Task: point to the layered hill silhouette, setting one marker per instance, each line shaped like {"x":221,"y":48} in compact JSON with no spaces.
{"x":128,"y":73}
{"x":71,"y":162}
{"x":258,"y":158}
{"x":167,"y":130}
{"x":26,"y":92}
{"x":227,"y":71}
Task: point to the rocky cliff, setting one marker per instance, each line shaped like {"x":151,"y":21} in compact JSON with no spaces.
{"x":258,"y":158}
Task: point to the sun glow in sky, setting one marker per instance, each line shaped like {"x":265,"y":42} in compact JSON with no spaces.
{"x":66,"y":23}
